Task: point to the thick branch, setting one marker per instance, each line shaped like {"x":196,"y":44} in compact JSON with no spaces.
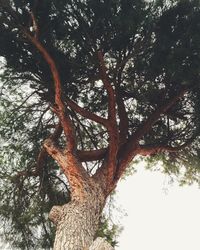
{"x":64,"y":117}
{"x":113,"y":128}
{"x":125,"y":157}
{"x":92,"y":155}
{"x":109,"y":89}
{"x":53,"y":150}
{"x":123,"y":117}
{"x":132,"y":148}
{"x":73,"y":170}
{"x":145,"y":150}
{"x":67,"y":160}
{"x":87,"y":114}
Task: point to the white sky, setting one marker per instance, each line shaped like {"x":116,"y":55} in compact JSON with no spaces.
{"x":160,"y":216}
{"x":156,"y":219}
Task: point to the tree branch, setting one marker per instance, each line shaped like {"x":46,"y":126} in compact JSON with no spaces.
{"x":145,"y":150}
{"x":67,"y":159}
{"x":64,"y":117}
{"x":123,"y":117}
{"x":92,"y":155}
{"x":113,"y":128}
{"x":24,"y":101}
{"x":72,"y":168}
{"x":146,"y":126}
{"x":35,"y":26}
{"x":93,"y":140}
{"x":131,"y":148}
{"x":87,"y":114}
{"x":42,"y":157}
{"x":109,"y":89}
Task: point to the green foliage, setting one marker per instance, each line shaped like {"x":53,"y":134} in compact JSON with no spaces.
{"x":151,"y":50}
{"x":182,"y":166}
{"x":108,"y":231}
{"x":26,"y":200}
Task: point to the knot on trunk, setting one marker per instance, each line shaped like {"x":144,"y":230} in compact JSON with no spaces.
{"x":55,"y":214}
{"x":100,"y":244}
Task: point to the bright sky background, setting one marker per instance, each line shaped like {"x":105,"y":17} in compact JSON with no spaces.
{"x":160,"y":216}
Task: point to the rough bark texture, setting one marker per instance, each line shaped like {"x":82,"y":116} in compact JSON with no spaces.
{"x":77,"y":221}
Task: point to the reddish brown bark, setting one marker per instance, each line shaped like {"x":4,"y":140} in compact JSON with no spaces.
{"x":87,"y":114}
{"x":67,"y":159}
{"x":89,"y":192}
{"x":113,"y":127}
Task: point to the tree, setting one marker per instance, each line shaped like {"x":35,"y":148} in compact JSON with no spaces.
{"x":101,"y":83}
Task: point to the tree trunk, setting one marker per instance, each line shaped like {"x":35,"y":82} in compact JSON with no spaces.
{"x":77,"y":222}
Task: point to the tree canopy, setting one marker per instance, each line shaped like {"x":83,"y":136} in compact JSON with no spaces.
{"x":105,"y":80}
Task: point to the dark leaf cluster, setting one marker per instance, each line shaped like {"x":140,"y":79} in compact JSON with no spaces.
{"x":151,"y":51}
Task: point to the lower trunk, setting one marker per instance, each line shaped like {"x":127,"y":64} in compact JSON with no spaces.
{"x":77,"y":222}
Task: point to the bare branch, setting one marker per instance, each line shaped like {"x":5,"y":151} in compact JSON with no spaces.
{"x":24,"y":101}
{"x":109,"y":89}
{"x":113,"y":128}
{"x":92,"y":155}
{"x":87,"y":114}
{"x":60,"y":180}
{"x":123,"y":117}
{"x":85,"y":130}
{"x":35,"y":26}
